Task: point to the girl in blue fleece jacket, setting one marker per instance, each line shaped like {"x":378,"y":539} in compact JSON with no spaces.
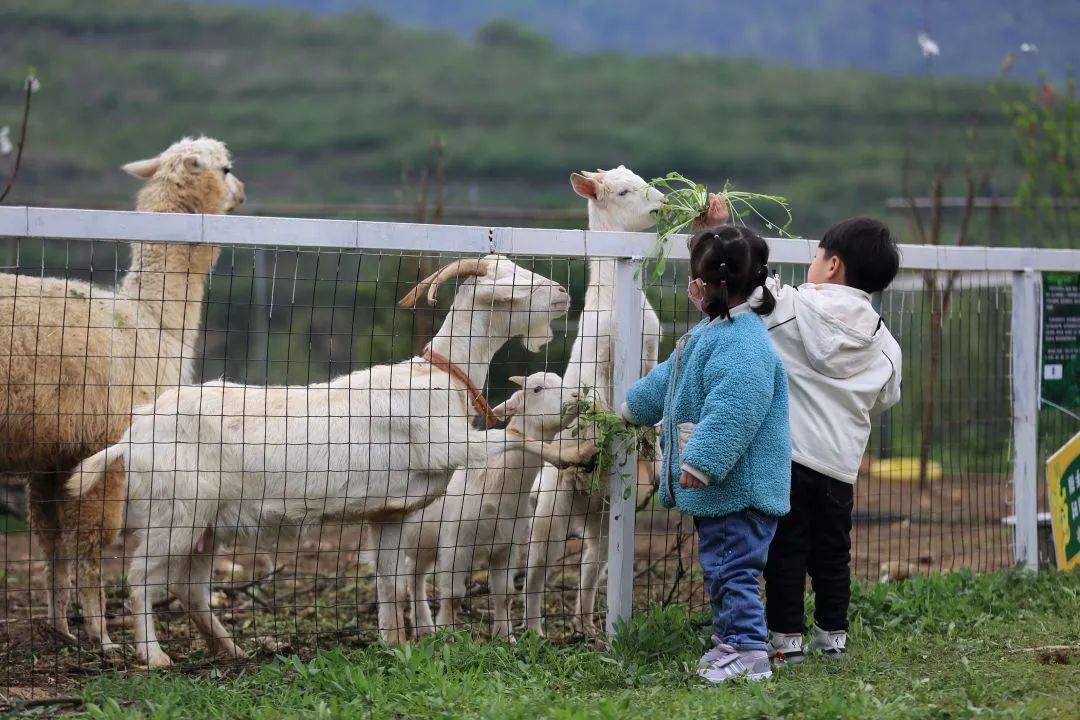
{"x":722,"y":397}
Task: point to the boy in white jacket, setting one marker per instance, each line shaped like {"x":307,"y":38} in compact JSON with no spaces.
{"x":843,"y":368}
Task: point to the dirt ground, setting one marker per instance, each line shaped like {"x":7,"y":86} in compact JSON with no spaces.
{"x":320,"y":592}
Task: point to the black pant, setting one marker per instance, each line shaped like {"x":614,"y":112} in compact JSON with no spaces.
{"x":814,"y":537}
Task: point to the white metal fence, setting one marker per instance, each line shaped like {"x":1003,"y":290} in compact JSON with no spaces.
{"x":1024,"y":265}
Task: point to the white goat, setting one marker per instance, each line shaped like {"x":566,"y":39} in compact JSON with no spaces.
{"x":485,"y":514}
{"x":221,"y":460}
{"x":618,"y":200}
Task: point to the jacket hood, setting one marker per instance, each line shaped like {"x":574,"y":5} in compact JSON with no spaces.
{"x":840,"y":330}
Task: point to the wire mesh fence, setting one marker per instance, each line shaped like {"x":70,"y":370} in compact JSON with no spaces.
{"x":360,"y":506}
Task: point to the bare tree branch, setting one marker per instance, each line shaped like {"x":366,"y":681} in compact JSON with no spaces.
{"x":22,"y":139}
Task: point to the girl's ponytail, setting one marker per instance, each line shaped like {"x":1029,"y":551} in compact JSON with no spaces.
{"x":719,"y":304}
{"x":759,"y":260}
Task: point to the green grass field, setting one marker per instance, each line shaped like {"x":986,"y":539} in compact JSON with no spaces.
{"x":953,"y":646}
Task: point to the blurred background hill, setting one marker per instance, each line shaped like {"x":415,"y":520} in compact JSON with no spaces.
{"x":328,"y":108}
{"x":877,"y":35}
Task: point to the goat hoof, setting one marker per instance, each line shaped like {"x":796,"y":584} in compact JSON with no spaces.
{"x":158,"y":659}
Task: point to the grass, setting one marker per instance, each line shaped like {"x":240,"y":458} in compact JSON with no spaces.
{"x":950,"y":646}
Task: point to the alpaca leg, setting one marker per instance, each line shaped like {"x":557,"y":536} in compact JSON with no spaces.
{"x":146,"y":579}
{"x":44,"y":515}
{"x":387,"y":539}
{"x":91,"y":586}
{"x":194,"y":592}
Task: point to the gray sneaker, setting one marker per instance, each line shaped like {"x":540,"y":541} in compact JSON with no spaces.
{"x":786,"y":647}
{"x":830,"y":643}
{"x":727,"y":663}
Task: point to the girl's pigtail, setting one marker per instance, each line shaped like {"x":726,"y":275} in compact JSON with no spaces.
{"x":722,"y":293}
{"x":768,"y":302}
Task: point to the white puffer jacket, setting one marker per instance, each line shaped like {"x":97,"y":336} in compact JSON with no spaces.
{"x":843,"y":368}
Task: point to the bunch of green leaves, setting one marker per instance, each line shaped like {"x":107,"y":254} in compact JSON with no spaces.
{"x":613,"y":437}
{"x":685,"y":201}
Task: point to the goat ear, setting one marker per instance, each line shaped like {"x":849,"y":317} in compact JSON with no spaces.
{"x":143,"y":169}
{"x":509,"y":407}
{"x":586,"y":187}
{"x":518,"y":380}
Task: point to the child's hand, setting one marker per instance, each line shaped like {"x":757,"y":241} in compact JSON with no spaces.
{"x":716,"y":213}
{"x":690,"y":480}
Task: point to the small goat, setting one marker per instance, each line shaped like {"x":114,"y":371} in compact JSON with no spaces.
{"x":486,"y":513}
{"x":215,"y":461}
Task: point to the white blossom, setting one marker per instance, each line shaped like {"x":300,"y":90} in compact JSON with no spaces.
{"x":32,"y":83}
{"x":1029,"y":47}
{"x":928,"y":46}
{"x":5,"y":142}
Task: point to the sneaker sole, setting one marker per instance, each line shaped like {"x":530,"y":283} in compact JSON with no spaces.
{"x":759,"y":676}
{"x":790,"y":658}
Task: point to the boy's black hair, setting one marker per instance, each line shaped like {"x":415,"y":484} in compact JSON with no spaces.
{"x":731,"y":260}
{"x":868,"y":251}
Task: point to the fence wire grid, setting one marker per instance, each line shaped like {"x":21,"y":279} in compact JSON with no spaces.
{"x":500,"y":552}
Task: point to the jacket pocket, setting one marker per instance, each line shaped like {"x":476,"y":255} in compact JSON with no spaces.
{"x":685,"y":430}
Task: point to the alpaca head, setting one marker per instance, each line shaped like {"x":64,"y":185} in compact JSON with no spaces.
{"x":193,"y":175}
{"x":618,"y":199}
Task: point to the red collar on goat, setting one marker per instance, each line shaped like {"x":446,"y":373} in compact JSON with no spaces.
{"x":479,"y":402}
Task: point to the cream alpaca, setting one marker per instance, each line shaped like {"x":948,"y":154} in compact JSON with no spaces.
{"x":75,"y":359}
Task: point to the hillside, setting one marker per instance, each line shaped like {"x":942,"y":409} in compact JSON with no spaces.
{"x":974,"y":35}
{"x":328,"y":109}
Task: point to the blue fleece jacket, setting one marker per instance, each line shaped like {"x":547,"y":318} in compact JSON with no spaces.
{"x":722,"y":396}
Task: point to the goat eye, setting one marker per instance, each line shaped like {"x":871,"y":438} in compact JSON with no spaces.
{"x":536,"y":390}
{"x":624,"y":193}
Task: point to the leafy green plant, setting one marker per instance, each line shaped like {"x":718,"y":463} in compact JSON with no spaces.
{"x":685,"y":201}
{"x":613,"y":437}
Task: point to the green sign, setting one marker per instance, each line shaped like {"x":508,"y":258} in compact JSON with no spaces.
{"x":1061,"y":339}
{"x":1063,"y":484}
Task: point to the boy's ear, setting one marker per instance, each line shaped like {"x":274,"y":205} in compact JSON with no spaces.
{"x":834,"y":268}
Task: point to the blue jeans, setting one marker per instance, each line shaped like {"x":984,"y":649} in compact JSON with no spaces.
{"x":732,"y":551}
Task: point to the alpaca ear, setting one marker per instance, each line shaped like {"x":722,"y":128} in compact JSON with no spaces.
{"x":584,"y":186}
{"x":192,"y":164}
{"x":143,"y":169}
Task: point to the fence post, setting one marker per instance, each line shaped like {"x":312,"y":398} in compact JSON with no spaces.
{"x":1026,"y":326}
{"x":626,"y":357}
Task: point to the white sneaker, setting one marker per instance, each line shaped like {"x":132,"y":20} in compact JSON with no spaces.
{"x":831,"y":643}
{"x":728,"y":664}
{"x":786,"y":647}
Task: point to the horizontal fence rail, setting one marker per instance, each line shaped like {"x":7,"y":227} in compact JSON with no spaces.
{"x":67,"y":223}
{"x":298,"y":301}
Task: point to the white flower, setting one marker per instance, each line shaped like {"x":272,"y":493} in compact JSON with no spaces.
{"x":32,"y":83}
{"x":5,"y":143}
{"x":928,"y":46}
{"x":1029,"y":48}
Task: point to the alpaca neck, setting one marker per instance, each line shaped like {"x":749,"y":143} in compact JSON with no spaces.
{"x":170,"y":279}
{"x":468,"y":340}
